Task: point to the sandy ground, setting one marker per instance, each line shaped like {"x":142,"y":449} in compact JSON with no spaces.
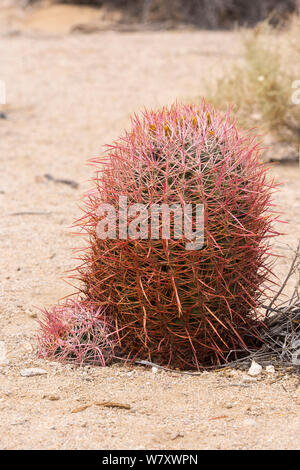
{"x":68,"y":95}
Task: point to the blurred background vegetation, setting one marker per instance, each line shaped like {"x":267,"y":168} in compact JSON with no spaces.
{"x":259,"y":88}
{"x":210,"y":14}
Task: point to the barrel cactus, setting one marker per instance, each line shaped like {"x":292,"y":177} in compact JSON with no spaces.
{"x":77,"y":332}
{"x":171,"y":302}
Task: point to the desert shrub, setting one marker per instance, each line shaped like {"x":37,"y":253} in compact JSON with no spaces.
{"x":260,"y":89}
{"x":203,"y":13}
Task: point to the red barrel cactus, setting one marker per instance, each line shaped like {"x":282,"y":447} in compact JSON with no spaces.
{"x":180,"y":307}
{"x":77,"y":332}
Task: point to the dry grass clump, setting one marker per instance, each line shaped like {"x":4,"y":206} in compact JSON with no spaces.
{"x":281,"y":333}
{"x":260,"y":90}
{"x":282,"y":337}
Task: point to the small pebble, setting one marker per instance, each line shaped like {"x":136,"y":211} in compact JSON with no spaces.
{"x":255,"y":369}
{"x":51,"y":397}
{"x":3,"y":359}
{"x":270,"y":369}
{"x":247,"y":379}
{"x":28,"y":346}
{"x":31,"y":372}
{"x":249,"y":422}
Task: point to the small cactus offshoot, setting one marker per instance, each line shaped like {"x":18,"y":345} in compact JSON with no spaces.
{"x":77,"y":332}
